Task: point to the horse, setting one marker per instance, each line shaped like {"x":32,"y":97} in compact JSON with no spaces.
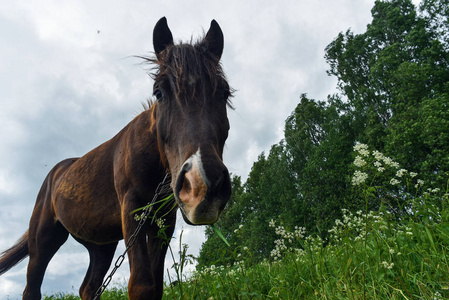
{"x":182,"y":133}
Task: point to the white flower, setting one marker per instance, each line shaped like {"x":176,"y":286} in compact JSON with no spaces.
{"x":359,"y":177}
{"x":380,"y":169}
{"x":401,"y":172}
{"x":360,"y":147}
{"x":413,"y":174}
{"x":359,"y":161}
{"x":377,"y":155}
{"x":364,"y":152}
{"x":386,"y":265}
{"x":394,"y":181}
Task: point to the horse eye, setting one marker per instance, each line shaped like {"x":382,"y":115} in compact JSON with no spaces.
{"x":158,"y":94}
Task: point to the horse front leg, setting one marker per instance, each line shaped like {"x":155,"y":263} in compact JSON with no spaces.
{"x":146,"y":258}
{"x":158,"y":243}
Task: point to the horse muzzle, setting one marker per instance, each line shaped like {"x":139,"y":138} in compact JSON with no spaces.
{"x":202,"y":190}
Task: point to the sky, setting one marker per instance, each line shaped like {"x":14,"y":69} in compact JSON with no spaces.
{"x":69,"y":81}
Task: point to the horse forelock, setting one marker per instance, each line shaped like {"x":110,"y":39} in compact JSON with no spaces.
{"x":189,"y":67}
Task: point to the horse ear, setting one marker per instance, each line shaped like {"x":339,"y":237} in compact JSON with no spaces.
{"x":214,"y":40}
{"x":162,"y":36}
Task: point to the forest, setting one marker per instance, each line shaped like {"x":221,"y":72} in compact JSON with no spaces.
{"x":393,"y":97}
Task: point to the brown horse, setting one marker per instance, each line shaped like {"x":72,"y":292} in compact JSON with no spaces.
{"x":92,"y":197}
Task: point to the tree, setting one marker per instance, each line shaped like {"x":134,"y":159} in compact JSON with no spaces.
{"x":319,"y":138}
{"x":390,"y":73}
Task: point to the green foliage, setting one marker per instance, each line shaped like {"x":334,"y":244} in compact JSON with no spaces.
{"x":319,"y":138}
{"x":390,"y":74}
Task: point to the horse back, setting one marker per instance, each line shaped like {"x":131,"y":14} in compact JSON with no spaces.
{"x":89,"y":196}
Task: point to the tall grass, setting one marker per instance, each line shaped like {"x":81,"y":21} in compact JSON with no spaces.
{"x":381,"y":254}
{"x":392,"y":261}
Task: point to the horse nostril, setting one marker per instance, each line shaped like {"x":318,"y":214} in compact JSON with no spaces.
{"x":186,"y":167}
{"x":186,"y":186}
{"x":181,"y":176}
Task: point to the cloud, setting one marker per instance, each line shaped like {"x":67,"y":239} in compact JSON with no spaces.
{"x":69,"y":83}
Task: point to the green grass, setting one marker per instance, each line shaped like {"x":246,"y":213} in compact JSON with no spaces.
{"x":394,"y":261}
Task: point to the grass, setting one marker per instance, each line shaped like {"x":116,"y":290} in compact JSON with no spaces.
{"x":407,"y":261}
{"x":367,"y":255}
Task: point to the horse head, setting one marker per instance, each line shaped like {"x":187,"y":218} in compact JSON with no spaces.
{"x":192,"y":96}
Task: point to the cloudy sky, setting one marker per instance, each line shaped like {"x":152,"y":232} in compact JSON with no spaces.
{"x":69,"y":82}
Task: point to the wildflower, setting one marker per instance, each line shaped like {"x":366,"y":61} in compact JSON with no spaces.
{"x":139,"y":217}
{"x":160,"y":222}
{"x":388,"y":161}
{"x":359,"y":177}
{"x":413,"y":174}
{"x":437,"y":296}
{"x":394,"y":181}
{"x":378,"y":155}
{"x":377,"y":164}
{"x":364,"y":152}
{"x":408,"y":231}
{"x":380,"y":169}
{"x":272,"y":223}
{"x":391,"y":250}
{"x":395,"y":164}
{"x":401,"y":172}
{"x":386,"y":265}
{"x":236,"y":230}
{"x":359,"y":161}
{"x":300,"y":232}
{"x":360,"y":147}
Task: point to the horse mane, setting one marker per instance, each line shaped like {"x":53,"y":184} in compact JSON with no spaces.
{"x":186,"y":65}
{"x":147,"y":104}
